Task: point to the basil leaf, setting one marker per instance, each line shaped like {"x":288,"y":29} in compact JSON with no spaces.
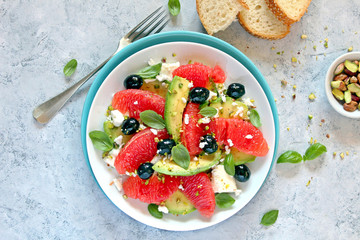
{"x":314,"y":151}
{"x":224,"y":200}
{"x":270,"y":218}
{"x":154,"y":211}
{"x":174,"y":7}
{"x":229,"y":165}
{"x":181,"y":156}
{"x":101,"y":140}
{"x":70,"y":67}
{"x":255,"y":118}
{"x":150,"y":71}
{"x":208,"y":111}
{"x":213,"y":86}
{"x":205,"y":104}
{"x":152,"y":119}
{"x":290,"y":157}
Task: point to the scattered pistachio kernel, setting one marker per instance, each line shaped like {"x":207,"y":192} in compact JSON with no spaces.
{"x":314,"y":47}
{"x":310,"y":116}
{"x":342,"y":155}
{"x":347,"y":153}
{"x":293,"y":59}
{"x":156,"y":139}
{"x":275,"y":99}
{"x":272,"y":48}
{"x":252,"y":100}
{"x":328,"y":135}
{"x":174,"y":54}
{"x":315,"y":141}
{"x":303,"y":36}
{"x":311,"y":140}
{"x":308,"y":183}
{"x":350,"y":49}
{"x":294,"y":87}
{"x":288,"y":129}
{"x":312,"y":96}
{"x":284,"y":83}
{"x":125,"y":196}
{"x":326,"y":28}
{"x":274,"y":66}
{"x":334,"y":154}
{"x":326,"y":46}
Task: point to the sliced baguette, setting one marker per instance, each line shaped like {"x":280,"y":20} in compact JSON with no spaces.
{"x":261,"y":22}
{"x":288,"y":11}
{"x":217,"y":15}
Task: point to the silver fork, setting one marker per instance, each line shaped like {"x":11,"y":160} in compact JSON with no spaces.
{"x":156,"y":20}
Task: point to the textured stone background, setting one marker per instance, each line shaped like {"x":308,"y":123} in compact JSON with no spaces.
{"x":46,"y":189}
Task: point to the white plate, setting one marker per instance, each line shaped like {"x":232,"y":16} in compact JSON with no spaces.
{"x":184,"y":51}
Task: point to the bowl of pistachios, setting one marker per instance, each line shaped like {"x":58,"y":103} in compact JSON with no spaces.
{"x":342,"y":85}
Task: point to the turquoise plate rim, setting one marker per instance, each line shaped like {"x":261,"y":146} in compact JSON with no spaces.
{"x":176,"y":36}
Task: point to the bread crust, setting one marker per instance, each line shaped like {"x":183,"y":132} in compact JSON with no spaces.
{"x":202,"y":19}
{"x":280,"y":13}
{"x":258,"y":34}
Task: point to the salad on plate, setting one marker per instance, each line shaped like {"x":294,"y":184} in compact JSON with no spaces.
{"x":179,"y":138}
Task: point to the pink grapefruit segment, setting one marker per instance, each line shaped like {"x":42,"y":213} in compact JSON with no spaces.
{"x":198,"y":190}
{"x":192,"y":132}
{"x":140,"y":149}
{"x":218,"y":75}
{"x":243,"y":135}
{"x":135,"y":101}
{"x":154,"y":190}
{"x":196,"y":73}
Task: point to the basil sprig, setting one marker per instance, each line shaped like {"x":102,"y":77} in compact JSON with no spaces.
{"x":270,"y":218}
{"x":150,"y":71}
{"x":174,"y":7}
{"x":208,"y":111}
{"x":314,"y":151}
{"x":70,"y":67}
{"x":181,"y":156}
{"x":255,"y":118}
{"x":154,"y":211}
{"x":229,"y":165}
{"x":101,"y":140}
{"x":224,"y":200}
{"x":290,"y":157}
{"x":152,"y":119}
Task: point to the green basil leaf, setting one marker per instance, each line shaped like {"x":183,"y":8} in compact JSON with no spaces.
{"x":270,"y":218}
{"x":213,"y":87}
{"x":152,"y":119}
{"x":101,"y":140}
{"x":255,"y":118}
{"x":70,"y":67}
{"x":208,"y":111}
{"x":174,"y":7}
{"x":224,"y":200}
{"x":290,"y":157}
{"x":229,"y":165}
{"x":150,"y":71}
{"x":205,"y":104}
{"x":154,"y":211}
{"x":181,"y":156}
{"x":314,"y":151}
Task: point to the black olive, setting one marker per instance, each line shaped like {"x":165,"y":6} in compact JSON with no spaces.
{"x":235,"y":90}
{"x":208,"y":144}
{"x":164,"y":146}
{"x":133,"y":82}
{"x":242,"y":173}
{"x":145,"y":170}
{"x":130,"y":126}
{"x":199,"y":95}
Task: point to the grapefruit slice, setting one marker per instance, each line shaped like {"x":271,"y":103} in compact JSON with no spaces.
{"x":196,"y":73}
{"x":243,"y":135}
{"x":218,"y":75}
{"x":140,"y":149}
{"x":135,"y":101}
{"x":198,"y":190}
{"x":192,"y":131}
{"x":154,"y":190}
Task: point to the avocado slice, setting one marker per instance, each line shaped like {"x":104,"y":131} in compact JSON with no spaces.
{"x":347,"y":96}
{"x":241,"y":157}
{"x":204,"y":163}
{"x":175,"y":105}
{"x":229,"y":108}
{"x":113,"y":132}
{"x":156,"y":87}
{"x":179,"y":204}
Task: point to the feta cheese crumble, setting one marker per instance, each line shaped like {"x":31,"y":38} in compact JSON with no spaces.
{"x":204,"y":120}
{"x":118,"y":140}
{"x":221,"y":181}
{"x":183,"y":100}
{"x":154,"y":131}
{"x":181,"y":187}
{"x":227,"y":150}
{"x":117,"y":118}
{"x":110,"y":158}
{"x":191,"y":84}
{"x":211,"y":95}
{"x":230,"y":142}
{"x":186,"y":119}
{"x":202,"y":144}
{"x":163,"y":209}
{"x":149,"y":80}
{"x":248,"y":102}
{"x":249,"y":136}
{"x":167,"y":70}
{"x":136,"y":103}
{"x":223,"y":98}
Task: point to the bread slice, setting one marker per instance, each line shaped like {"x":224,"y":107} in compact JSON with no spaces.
{"x":217,"y":15}
{"x":261,"y":22}
{"x":288,"y":11}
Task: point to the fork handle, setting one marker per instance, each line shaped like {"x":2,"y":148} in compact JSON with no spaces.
{"x":45,"y":111}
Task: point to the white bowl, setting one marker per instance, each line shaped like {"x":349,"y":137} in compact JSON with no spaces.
{"x":185,"y":51}
{"x":329,"y":77}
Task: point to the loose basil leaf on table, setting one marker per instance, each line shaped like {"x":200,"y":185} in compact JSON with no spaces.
{"x":150,"y":71}
{"x":314,"y":151}
{"x":229,"y":165}
{"x":154,"y":211}
{"x":290,"y":157}
{"x":181,"y":156}
{"x":101,"y":140}
{"x":174,"y":7}
{"x":270,"y":218}
{"x":208,"y":111}
{"x":152,"y":119}
{"x":224,"y":200}
{"x":70,"y":67}
{"x":255,"y":118}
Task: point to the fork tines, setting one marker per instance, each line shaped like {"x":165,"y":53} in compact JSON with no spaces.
{"x":157,"y":20}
